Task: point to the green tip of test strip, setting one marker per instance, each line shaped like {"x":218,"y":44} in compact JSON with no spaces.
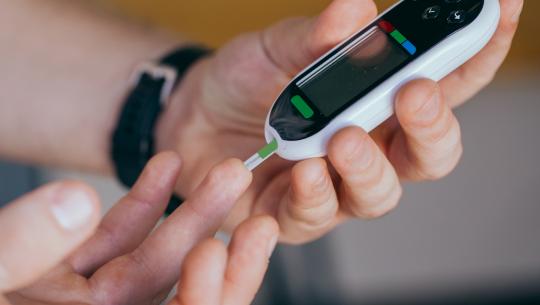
{"x":269,"y":149}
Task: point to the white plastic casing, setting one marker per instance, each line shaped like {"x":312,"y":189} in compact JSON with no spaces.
{"x":378,"y":105}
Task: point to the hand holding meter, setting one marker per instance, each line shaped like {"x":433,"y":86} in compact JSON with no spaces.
{"x":356,"y":82}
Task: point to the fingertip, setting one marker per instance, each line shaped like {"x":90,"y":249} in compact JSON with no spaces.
{"x":210,"y":249}
{"x":511,"y":10}
{"x":349,"y":143}
{"x":418,"y":102}
{"x":202,"y":273}
{"x":339,"y":20}
{"x":233,"y":172}
{"x":162,"y":169}
{"x":430,"y":146}
{"x":169,"y":158}
{"x":208,"y":257}
{"x":255,"y":235}
{"x":309,"y":177}
{"x":262,"y":225}
{"x":43,"y":227}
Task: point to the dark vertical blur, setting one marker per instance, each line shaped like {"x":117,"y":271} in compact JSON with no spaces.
{"x":15,"y":180}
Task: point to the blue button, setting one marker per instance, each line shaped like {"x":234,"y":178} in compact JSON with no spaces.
{"x":410,"y":47}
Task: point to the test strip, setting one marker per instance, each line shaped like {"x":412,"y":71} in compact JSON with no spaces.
{"x":262,"y":155}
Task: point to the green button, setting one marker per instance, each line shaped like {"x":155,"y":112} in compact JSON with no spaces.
{"x":302,"y":106}
{"x":398,"y":36}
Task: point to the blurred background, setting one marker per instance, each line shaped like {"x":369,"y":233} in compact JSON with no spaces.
{"x":472,"y":238}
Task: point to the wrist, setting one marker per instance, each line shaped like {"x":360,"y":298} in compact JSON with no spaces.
{"x":135,"y":139}
{"x":179,"y":119}
{"x":183,"y":126}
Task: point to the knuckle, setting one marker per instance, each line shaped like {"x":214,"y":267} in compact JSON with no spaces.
{"x":214,"y":177}
{"x":485,"y":79}
{"x":383,"y":210}
{"x":437,"y":159}
{"x":477,"y":78}
{"x":437,"y":172}
{"x":257,"y":228}
{"x":312,"y":218}
{"x":380,"y":203}
{"x":375,"y":212}
{"x":305,"y":197}
{"x":104,"y":291}
{"x":445,"y":133}
{"x":441,"y":167}
{"x":139,"y":258}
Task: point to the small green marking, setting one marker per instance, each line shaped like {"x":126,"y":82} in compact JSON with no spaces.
{"x":302,"y":106}
{"x":398,"y":36}
{"x":269,"y":149}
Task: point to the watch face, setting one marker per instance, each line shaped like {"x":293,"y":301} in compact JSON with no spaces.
{"x":370,"y":57}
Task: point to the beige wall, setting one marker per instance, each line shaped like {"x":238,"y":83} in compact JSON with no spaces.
{"x":216,"y":21}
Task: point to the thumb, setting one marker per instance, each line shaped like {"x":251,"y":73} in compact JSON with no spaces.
{"x":40,"y":229}
{"x":294,"y":43}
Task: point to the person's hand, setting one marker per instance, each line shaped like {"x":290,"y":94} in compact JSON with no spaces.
{"x":124,"y":261}
{"x":220,"y":109}
{"x":215,"y":275}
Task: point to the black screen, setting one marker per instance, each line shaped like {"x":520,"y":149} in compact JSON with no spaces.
{"x":352,"y":73}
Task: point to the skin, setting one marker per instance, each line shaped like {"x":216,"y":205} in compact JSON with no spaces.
{"x":217,"y":112}
{"x":219,"y":109}
{"x":221,"y":106}
{"x":121,"y":260}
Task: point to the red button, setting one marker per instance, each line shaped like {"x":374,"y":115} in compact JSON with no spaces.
{"x":386,"y":26}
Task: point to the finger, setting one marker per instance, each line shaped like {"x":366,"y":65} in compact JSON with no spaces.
{"x":370,"y":187}
{"x":293,"y":44}
{"x":309,"y":208}
{"x":42,"y":228}
{"x":429,"y":145}
{"x":201,"y":282}
{"x":252,"y":244}
{"x":156,"y":263}
{"x":130,"y":221}
{"x":466,"y":81}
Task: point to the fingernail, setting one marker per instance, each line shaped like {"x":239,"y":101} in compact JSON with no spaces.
{"x":73,"y":210}
{"x":517,"y":14}
{"x":272,"y":245}
{"x":429,"y":110}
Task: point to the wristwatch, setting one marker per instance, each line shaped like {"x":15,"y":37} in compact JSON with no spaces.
{"x":133,"y":142}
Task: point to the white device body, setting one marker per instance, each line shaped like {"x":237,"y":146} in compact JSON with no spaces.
{"x":378,"y":105}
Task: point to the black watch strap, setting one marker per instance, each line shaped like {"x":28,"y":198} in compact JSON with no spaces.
{"x":133,"y":139}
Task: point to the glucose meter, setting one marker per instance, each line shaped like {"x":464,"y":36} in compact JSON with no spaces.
{"x":356,"y":82}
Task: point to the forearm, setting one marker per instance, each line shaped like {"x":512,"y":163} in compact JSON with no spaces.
{"x":64,"y":75}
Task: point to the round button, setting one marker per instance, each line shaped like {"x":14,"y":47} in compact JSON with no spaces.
{"x":432,"y":12}
{"x":456,"y":17}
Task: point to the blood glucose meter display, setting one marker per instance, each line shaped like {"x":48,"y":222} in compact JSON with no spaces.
{"x":374,"y":55}
{"x":344,"y":81}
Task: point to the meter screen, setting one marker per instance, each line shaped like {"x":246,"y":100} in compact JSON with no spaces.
{"x":356,"y":70}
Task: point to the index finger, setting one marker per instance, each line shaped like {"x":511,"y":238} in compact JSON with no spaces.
{"x":156,"y":263}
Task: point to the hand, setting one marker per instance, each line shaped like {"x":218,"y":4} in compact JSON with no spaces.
{"x":214,"y":275}
{"x":220,"y":110}
{"x":124,"y":261}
